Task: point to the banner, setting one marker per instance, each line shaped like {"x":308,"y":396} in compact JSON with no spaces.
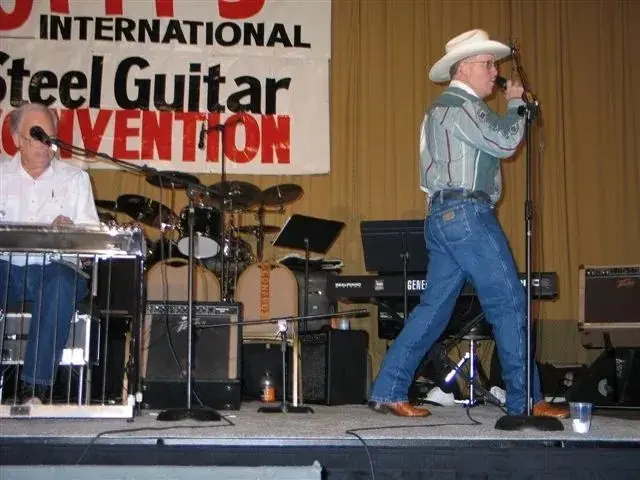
{"x":174,"y":84}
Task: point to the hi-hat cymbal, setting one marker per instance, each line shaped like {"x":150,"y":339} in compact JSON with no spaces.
{"x":106,"y":205}
{"x":279,"y":195}
{"x":147,"y":211}
{"x":237,"y":195}
{"x":255,"y":229}
{"x":179,"y":180}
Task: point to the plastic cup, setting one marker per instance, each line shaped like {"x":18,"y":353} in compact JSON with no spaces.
{"x":580,"y":416}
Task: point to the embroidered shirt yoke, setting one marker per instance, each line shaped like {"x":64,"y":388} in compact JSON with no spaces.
{"x":462,"y":141}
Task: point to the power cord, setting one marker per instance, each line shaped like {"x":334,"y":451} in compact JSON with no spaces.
{"x":146,"y":429}
{"x":354,"y":433}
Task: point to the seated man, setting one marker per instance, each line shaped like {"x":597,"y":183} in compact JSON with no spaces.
{"x":36,"y":187}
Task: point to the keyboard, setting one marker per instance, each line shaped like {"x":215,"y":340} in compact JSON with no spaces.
{"x":364,"y":287}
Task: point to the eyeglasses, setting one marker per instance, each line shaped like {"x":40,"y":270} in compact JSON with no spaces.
{"x":488,"y":64}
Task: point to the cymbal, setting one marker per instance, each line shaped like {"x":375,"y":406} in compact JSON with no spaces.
{"x":237,"y":195}
{"x":279,"y":195}
{"x":180,"y":181}
{"x":254,"y":229}
{"x":106,"y":205}
{"x":147,"y":211}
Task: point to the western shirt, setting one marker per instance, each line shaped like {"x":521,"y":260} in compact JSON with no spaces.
{"x":62,"y":189}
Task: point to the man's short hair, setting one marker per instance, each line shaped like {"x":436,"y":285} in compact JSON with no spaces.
{"x":454,"y":68}
{"x":15,"y":117}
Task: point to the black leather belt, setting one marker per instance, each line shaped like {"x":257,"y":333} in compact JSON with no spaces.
{"x":442,"y":195}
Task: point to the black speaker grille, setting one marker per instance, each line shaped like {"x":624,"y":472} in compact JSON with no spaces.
{"x":314,"y":370}
{"x":215,"y":347}
{"x":334,"y":367}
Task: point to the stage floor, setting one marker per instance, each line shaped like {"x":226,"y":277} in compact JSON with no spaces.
{"x":350,"y":442}
{"x":327,"y":426}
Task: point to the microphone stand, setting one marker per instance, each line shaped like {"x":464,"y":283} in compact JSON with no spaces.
{"x":201,"y":414}
{"x":527,"y":421}
{"x":221,"y":127}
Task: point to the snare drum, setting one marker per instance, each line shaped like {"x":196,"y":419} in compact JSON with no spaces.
{"x":267,"y":291}
{"x":206,"y":230}
{"x":168,"y":280}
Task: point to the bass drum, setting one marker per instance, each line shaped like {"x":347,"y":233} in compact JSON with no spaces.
{"x":267,"y":290}
{"x":168,"y":280}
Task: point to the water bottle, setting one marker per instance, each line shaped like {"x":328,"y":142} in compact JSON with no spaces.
{"x":267,"y":388}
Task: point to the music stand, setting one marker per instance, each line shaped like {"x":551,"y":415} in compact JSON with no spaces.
{"x":393,"y":246}
{"x":310,"y":234}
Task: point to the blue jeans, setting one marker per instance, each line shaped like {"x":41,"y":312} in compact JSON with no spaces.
{"x":465,"y":243}
{"x":52,"y":290}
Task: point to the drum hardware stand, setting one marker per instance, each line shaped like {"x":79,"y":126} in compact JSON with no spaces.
{"x":306,"y":233}
{"x":221,"y":127}
{"x":234,"y":260}
{"x":283,"y":323}
{"x":260,"y":233}
{"x":527,"y":421}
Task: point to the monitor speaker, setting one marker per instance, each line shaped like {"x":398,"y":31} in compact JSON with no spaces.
{"x":611,"y":381}
{"x":216,"y":351}
{"x":334,"y":367}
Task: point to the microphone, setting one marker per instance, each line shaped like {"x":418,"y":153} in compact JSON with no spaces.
{"x":501,"y":82}
{"x":39,"y":134}
{"x":203,"y":132}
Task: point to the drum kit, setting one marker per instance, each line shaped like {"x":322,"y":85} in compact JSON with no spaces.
{"x":221,"y":239}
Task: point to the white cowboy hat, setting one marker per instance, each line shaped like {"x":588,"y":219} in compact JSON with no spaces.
{"x":467,"y":44}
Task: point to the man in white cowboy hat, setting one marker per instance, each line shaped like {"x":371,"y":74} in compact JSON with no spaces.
{"x":462,"y":142}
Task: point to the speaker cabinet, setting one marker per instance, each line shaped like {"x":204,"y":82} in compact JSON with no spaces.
{"x":216,"y":354}
{"x":334,"y":367}
{"x":318,"y":302}
{"x":113,"y":286}
{"x":612,"y":380}
{"x":609,"y":308}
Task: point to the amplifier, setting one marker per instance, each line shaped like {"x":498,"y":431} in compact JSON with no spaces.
{"x":216,"y":350}
{"x":609,"y":306}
